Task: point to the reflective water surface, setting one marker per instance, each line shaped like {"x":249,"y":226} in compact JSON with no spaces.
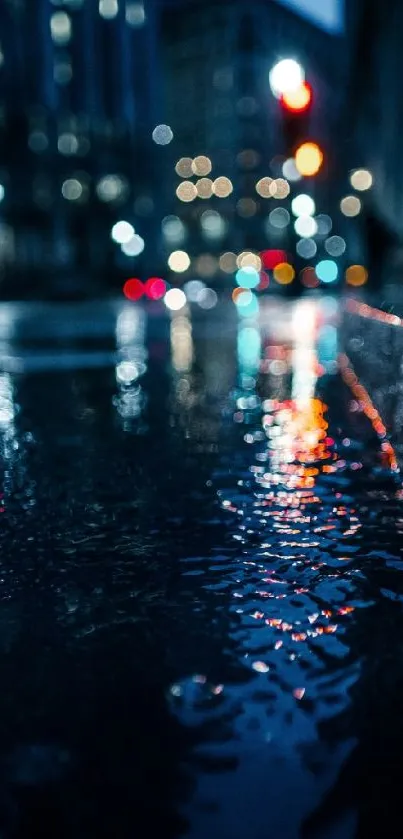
{"x":201,"y":591}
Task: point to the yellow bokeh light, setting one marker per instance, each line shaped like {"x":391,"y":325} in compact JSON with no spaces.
{"x":228,"y":262}
{"x":361,"y":179}
{"x":222,"y":187}
{"x":204,"y":187}
{"x":201,"y":165}
{"x":248,"y":259}
{"x":279,"y":188}
{"x":284,"y":273}
{"x":186,"y":191}
{"x":179,"y":261}
{"x":263,"y":187}
{"x":356,"y":275}
{"x":308,"y":159}
{"x":350,"y":206}
{"x":183,"y":167}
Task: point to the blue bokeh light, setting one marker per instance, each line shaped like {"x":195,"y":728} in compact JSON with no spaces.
{"x":327,"y":271}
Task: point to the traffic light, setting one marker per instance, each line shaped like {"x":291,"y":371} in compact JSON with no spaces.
{"x":295,"y":95}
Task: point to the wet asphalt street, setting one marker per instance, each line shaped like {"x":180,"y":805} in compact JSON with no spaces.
{"x":200,"y":582}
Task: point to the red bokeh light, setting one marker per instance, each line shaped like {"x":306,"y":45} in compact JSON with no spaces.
{"x":264,"y":281}
{"x":272,"y":257}
{"x":297,"y":100}
{"x":155,"y":288}
{"x":133,"y":289}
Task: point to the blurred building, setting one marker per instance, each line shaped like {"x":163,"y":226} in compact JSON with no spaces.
{"x":375,"y":116}
{"x":101,"y":99}
{"x":217,"y":59}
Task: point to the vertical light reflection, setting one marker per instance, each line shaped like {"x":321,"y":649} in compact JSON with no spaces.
{"x":131,"y":364}
{"x":181,"y":343}
{"x":304,"y":359}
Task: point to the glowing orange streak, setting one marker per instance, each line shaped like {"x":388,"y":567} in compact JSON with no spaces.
{"x":362,"y":395}
{"x":357,"y":308}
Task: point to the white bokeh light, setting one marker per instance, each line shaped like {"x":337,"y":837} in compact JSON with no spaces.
{"x":303,"y":205}
{"x":287,"y":75}
{"x":122,"y":232}
{"x":305,"y":226}
{"x":175,"y":299}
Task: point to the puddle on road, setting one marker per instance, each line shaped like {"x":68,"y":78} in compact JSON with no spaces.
{"x":201,"y":584}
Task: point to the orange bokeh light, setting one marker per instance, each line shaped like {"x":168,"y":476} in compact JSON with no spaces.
{"x":308,"y":159}
{"x":297,"y":100}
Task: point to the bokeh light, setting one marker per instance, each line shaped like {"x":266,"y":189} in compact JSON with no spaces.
{"x":222,"y":187}
{"x":290,"y":170}
{"x":183,"y":167}
{"x":350,"y":206}
{"x":213,"y":224}
{"x":284,"y":273}
{"x":303,"y":205}
{"x":227,"y":262}
{"x":308,"y":277}
{"x":60,"y":28}
{"x":306,"y":248}
{"x":155,"y":288}
{"x":72,"y":189}
{"x":286,"y":76}
{"x":134,"y":246}
{"x":247,"y":277}
{"x":206,"y":265}
{"x":335,"y":245}
{"x":201,"y":165}
{"x":133,"y":289}
{"x":186,"y":191}
{"x":162,"y":135}
{"x":192,"y":289}
{"x":324,"y":224}
{"x":279,"y":188}
{"x":111,"y":188}
{"x":207,"y":298}
{"x":356,"y":275}
{"x":175,"y":299}
{"x":135,"y":14}
{"x":122,"y":232}
{"x":308,"y":159}
{"x":246,"y":207}
{"x":305,"y":226}
{"x":361,"y":179}
{"x":298,"y":99}
{"x":279,"y":218}
{"x":204,"y":187}
{"x":179,"y":261}
{"x":173,"y":229}
{"x":108,"y":9}
{"x":327,"y":271}
{"x":247,"y":303}
{"x":263,"y":187}
{"x":248,"y":259}
{"x":272,"y":257}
